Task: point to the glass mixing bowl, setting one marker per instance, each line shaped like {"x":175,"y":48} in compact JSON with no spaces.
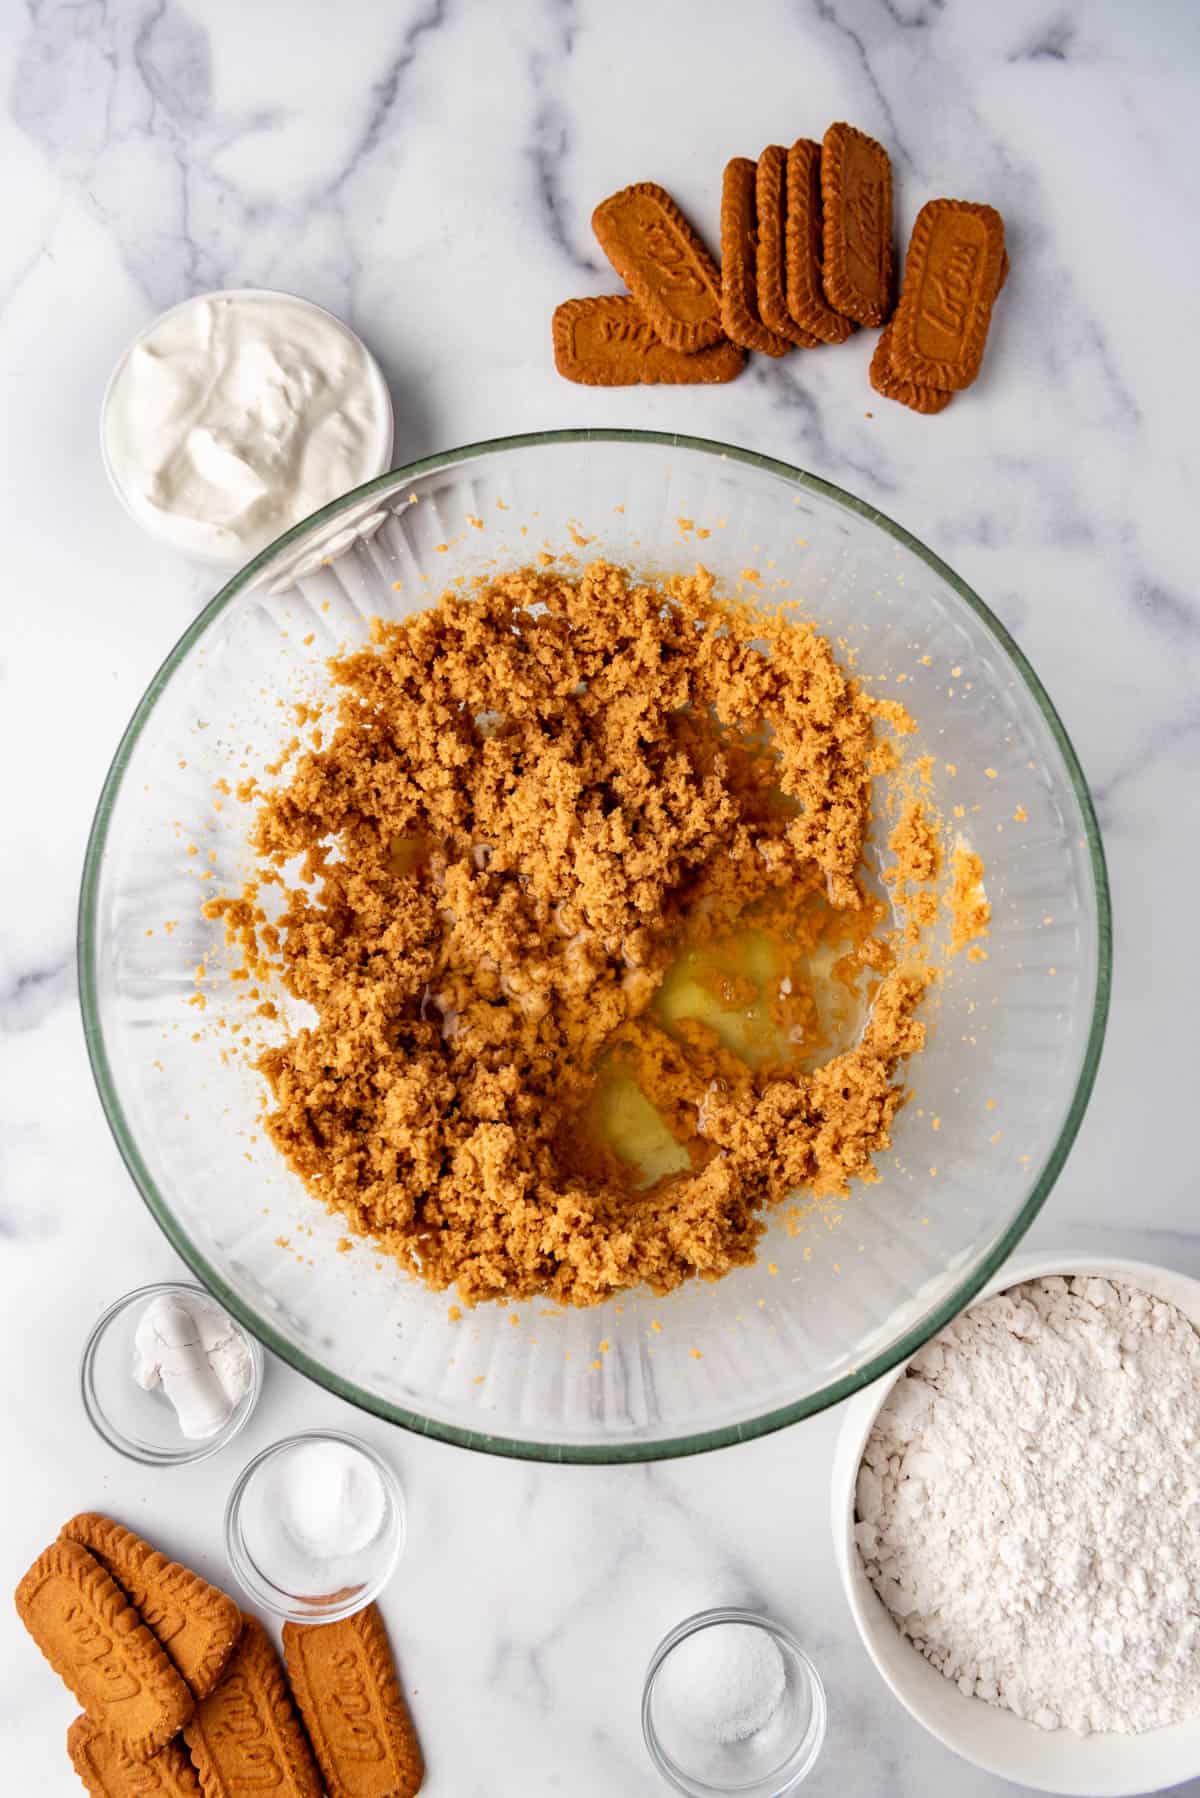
{"x":997,"y":1096}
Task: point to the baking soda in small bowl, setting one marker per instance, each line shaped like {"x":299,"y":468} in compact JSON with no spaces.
{"x":721,"y":1685}
{"x":733,"y":1704}
{"x":315,"y":1526}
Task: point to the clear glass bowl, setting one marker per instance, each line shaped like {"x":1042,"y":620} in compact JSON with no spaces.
{"x":274,"y":1567}
{"x":139,"y":1424}
{"x":1015,"y":1038}
{"x":771,"y":1761}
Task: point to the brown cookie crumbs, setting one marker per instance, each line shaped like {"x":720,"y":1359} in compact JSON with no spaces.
{"x":914,"y":844}
{"x":533,"y":796}
{"x":966,"y":900}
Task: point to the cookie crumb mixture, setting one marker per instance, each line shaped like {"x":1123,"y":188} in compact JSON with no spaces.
{"x":531,"y":797}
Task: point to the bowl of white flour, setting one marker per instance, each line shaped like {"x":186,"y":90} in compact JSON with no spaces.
{"x":1016,"y":1518}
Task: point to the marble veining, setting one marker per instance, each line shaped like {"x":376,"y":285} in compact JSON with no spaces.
{"x":428,"y":168}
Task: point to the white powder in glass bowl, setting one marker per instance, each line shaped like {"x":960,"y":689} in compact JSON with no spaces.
{"x":723,"y":1683}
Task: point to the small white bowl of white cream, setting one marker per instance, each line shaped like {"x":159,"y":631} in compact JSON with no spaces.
{"x":236,"y":415}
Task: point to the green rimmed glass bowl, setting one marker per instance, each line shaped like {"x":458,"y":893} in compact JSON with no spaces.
{"x":849,"y":1289}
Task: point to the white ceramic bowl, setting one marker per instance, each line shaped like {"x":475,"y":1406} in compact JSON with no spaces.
{"x":349,"y":527}
{"x":1095,"y":1766}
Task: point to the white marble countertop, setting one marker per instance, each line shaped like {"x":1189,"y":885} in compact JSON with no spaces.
{"x":427,"y":168}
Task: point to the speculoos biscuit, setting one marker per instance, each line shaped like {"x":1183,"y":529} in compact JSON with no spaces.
{"x":609,"y":342}
{"x":98,"y":1645}
{"x":348,"y":1690}
{"x":663,"y":263}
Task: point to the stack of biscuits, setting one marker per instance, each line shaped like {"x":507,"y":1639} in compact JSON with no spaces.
{"x":183,"y":1695}
{"x":806,"y":256}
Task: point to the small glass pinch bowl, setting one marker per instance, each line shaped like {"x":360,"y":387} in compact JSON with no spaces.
{"x":768,"y":1762}
{"x":139,"y":1424}
{"x":273,"y":1565}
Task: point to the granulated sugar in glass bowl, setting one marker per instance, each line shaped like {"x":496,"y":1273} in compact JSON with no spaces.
{"x":840,"y":1291}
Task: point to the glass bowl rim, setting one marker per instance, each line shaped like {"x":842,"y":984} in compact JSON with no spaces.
{"x":697,"y":1442}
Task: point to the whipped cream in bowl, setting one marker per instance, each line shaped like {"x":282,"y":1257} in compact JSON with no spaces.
{"x":237,"y":414}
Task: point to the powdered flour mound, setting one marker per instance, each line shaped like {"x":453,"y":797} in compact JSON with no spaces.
{"x":1029,"y":1506}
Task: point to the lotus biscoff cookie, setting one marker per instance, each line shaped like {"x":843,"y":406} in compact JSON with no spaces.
{"x":893,"y":386}
{"x":349,"y":1695}
{"x":98,"y":1645}
{"x":609,"y":342}
{"x":954,"y":269}
{"x":739,"y":262}
{"x":663,"y":263}
{"x":108,"y":1772}
{"x":196,"y":1623}
{"x":770,"y":221}
{"x":806,"y":300}
{"x":856,"y":207}
{"x":245,"y":1736}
